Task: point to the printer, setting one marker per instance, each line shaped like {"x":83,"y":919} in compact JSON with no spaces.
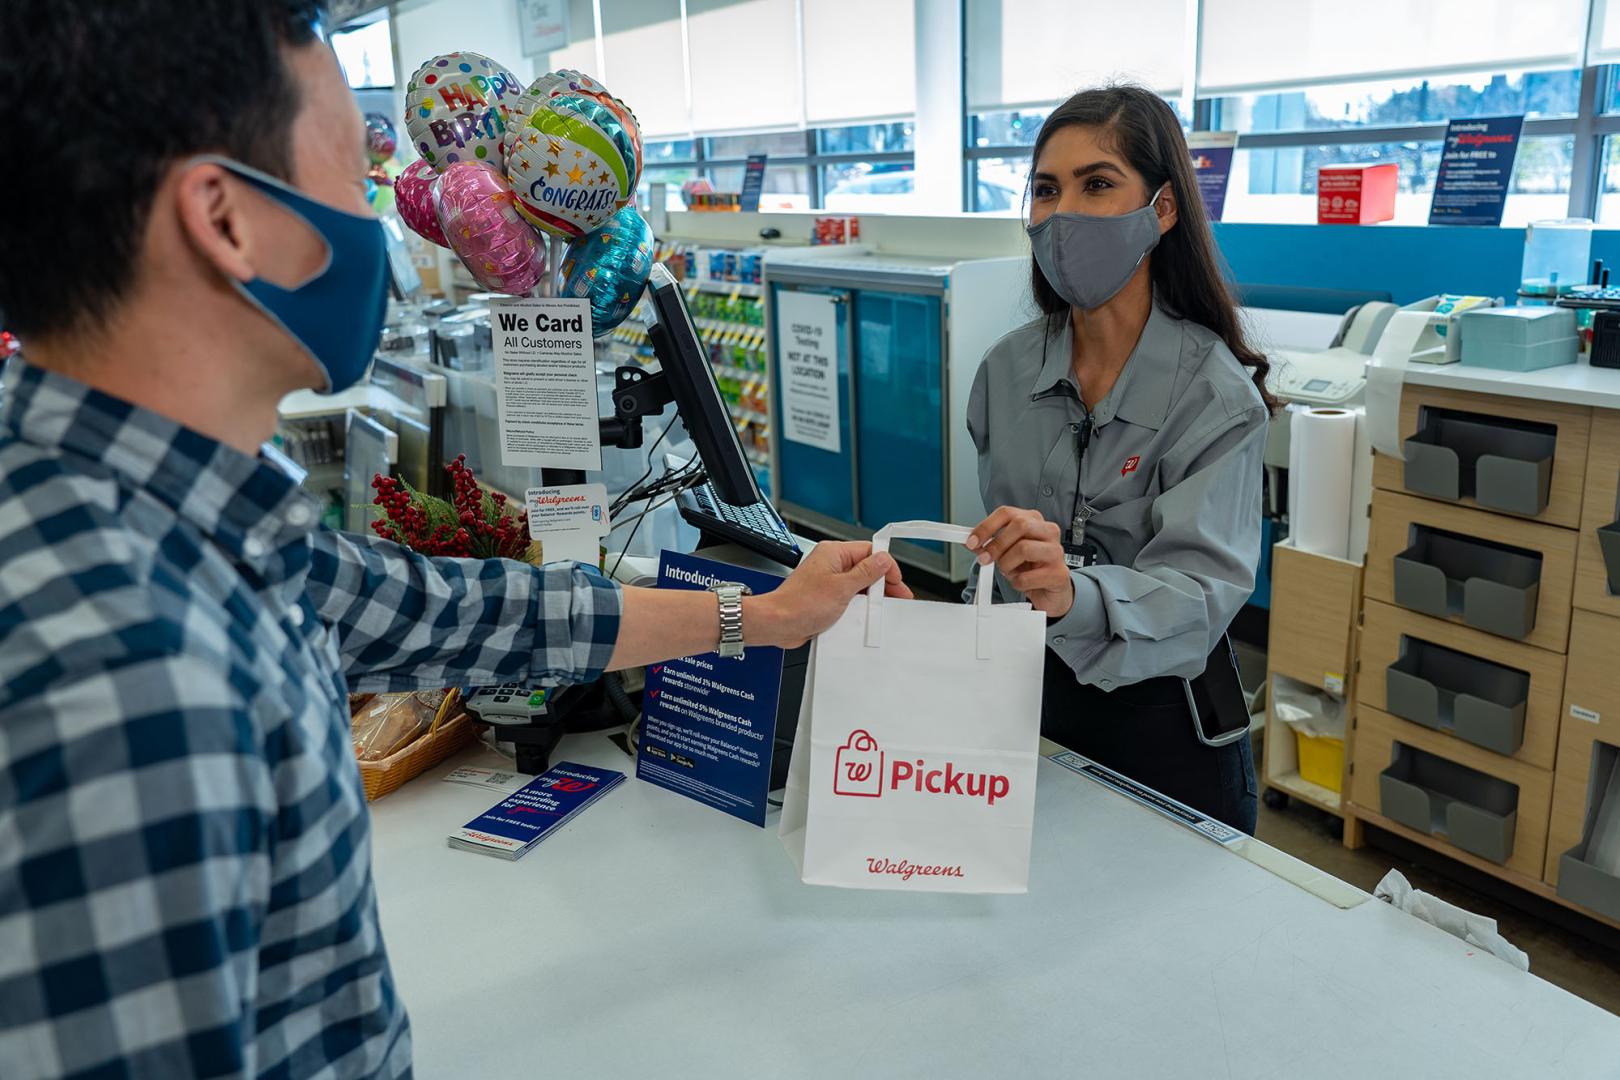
{"x":1334,"y":377}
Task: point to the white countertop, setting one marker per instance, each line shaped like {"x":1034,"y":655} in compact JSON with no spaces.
{"x":1573,"y":384}
{"x":653,"y":936}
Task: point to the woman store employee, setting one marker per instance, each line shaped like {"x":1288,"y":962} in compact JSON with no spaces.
{"x":1121,"y":435}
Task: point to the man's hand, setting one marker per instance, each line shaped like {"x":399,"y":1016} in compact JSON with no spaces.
{"x":1028,"y":550}
{"x":816,"y":594}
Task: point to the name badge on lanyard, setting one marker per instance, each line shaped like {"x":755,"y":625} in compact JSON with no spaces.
{"x":1078,"y":552}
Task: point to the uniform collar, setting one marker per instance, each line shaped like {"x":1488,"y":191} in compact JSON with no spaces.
{"x":247,"y":506}
{"x":1141,"y":394}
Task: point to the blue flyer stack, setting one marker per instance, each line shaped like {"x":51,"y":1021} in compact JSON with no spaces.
{"x":534,"y":811}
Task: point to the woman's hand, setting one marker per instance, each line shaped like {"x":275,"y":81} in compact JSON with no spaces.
{"x":1028,"y":550}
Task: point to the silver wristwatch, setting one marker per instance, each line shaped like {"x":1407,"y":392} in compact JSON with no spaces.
{"x":730,"y":594}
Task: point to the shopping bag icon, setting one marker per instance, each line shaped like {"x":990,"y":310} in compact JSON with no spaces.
{"x":858,"y":769}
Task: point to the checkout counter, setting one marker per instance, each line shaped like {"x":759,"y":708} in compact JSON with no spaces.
{"x":661,"y":938}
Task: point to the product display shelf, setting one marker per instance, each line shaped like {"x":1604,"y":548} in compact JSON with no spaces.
{"x":1316,"y":600}
{"x":745,"y":388}
{"x":1514,"y":612}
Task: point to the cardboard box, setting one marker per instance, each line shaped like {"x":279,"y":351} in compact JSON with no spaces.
{"x":1355,"y":194}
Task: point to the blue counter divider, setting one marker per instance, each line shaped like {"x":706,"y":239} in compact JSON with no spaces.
{"x":1409,"y":262}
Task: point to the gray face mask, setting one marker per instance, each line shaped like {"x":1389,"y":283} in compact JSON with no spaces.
{"x":1088,"y":258}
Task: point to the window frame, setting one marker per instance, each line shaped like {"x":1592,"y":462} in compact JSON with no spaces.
{"x":1588,"y":128}
{"x":812,"y":159}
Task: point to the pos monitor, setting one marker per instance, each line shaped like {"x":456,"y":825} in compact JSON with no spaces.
{"x":730,"y":505}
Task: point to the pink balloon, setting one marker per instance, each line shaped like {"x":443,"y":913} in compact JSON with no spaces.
{"x":413,"y":198}
{"x":477,"y":211}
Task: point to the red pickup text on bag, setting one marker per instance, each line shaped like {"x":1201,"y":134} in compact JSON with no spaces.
{"x":858,"y":769}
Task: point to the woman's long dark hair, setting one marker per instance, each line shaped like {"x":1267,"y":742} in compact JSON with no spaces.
{"x":1186,"y":266}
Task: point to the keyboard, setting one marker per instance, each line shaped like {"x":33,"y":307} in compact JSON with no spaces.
{"x":757,"y":527}
{"x":1603,"y":297}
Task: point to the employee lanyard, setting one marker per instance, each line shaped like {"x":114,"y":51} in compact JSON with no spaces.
{"x":1081,"y":511}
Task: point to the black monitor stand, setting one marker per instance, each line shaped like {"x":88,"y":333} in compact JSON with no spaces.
{"x":637,"y":393}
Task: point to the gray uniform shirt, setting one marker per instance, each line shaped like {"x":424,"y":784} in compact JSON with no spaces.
{"x":1172,"y":473}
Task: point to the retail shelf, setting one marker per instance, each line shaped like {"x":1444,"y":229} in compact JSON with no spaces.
{"x":726,"y":326}
{"x":726,"y":371}
{"x":743,"y":412}
{"x":727,"y":288}
{"x":1316,"y":795}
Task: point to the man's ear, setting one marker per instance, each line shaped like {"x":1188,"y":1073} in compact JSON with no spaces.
{"x":215,"y":218}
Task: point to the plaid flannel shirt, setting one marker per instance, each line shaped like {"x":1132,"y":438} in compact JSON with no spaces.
{"x":185,"y":861}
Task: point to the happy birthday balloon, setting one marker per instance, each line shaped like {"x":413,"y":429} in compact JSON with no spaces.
{"x":381,"y":139}
{"x":609,"y":268}
{"x":475,"y":209}
{"x":413,"y":198}
{"x":456,"y":108}
{"x":573,"y":164}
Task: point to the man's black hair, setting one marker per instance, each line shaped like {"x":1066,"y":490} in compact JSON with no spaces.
{"x":117,"y":91}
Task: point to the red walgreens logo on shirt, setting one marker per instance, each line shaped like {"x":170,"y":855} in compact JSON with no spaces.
{"x":858,"y":771}
{"x":1130,"y":464}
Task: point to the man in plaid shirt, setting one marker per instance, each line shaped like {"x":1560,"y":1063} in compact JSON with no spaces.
{"x":185,"y":864}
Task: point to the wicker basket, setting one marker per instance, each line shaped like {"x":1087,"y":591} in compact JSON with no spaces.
{"x":444,"y":739}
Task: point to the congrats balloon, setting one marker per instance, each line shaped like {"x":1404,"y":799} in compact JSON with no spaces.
{"x":456,"y":108}
{"x":573,"y":164}
{"x":543,"y":89}
{"x":609,"y":268}
{"x":475,"y":209}
{"x":568,"y":81}
{"x":413,"y":198}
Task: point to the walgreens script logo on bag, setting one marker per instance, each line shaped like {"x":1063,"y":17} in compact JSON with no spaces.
{"x":859,"y":773}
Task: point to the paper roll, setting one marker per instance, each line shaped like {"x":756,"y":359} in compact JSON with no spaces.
{"x":1321,"y":473}
{"x":1386,"y":374}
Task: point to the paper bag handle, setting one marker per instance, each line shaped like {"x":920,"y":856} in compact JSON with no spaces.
{"x":928,"y":530}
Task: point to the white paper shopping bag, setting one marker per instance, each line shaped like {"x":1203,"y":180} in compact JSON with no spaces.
{"x":918,"y":738}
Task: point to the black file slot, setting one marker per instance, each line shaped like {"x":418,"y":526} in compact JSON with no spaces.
{"x":1473,"y":699}
{"x":1492,"y":586}
{"x":1500,"y":463}
{"x":1472,"y":810}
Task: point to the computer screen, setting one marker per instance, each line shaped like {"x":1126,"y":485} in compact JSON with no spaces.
{"x":369,"y":448}
{"x":697,"y":395}
{"x":403,"y":276}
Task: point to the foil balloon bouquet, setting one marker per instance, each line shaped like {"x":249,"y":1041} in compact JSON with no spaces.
{"x":504,"y":168}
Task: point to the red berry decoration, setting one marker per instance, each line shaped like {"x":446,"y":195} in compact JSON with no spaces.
{"x":473,"y":524}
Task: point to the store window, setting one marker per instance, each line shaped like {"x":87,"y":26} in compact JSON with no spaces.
{"x":672,"y":179}
{"x":672,"y":151}
{"x":787,"y":187}
{"x":1608,"y":208}
{"x":1396,"y":102}
{"x":366,"y":53}
{"x":868,"y":187}
{"x":1279,"y":185}
{"x":866,"y":139}
{"x":737,"y":147}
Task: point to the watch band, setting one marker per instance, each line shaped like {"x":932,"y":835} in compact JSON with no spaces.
{"x":730,"y":595}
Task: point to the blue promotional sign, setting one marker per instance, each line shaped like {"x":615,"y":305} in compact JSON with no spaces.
{"x":708,"y":725}
{"x":1475,"y":167}
{"x":1212,"y":165}
{"x":753,"y":183}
